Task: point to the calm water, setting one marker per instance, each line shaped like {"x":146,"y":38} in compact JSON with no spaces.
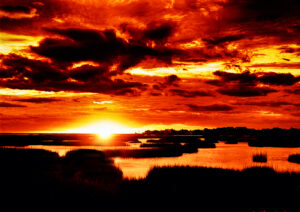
{"x":227,"y":156}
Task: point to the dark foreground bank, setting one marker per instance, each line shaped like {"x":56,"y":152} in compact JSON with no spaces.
{"x":87,"y":177}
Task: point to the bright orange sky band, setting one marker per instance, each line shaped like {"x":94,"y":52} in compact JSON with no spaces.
{"x":80,"y":66}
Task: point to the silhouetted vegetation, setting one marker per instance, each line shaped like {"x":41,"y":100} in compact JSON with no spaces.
{"x":218,"y":188}
{"x":294,"y":158}
{"x":39,"y":176}
{"x":205,"y":145}
{"x":136,"y":141}
{"x":179,"y":139}
{"x":231,"y":140}
{"x":189,"y":148}
{"x":211,"y":138}
{"x":90,"y":178}
{"x":47,"y":139}
{"x":275,"y":137}
{"x":189,"y":143}
{"x":64,"y":139}
{"x":183,"y":148}
{"x":260,"y":157}
{"x":144,"y":152}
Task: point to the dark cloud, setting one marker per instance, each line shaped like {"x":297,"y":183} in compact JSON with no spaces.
{"x":268,"y":103}
{"x":188,"y":94}
{"x":224,"y":22}
{"x":213,"y":107}
{"x":157,"y":87}
{"x":27,"y":73}
{"x":245,"y":91}
{"x":245,"y":84}
{"x":215,"y":48}
{"x":31,"y":15}
{"x":7,"y":73}
{"x":287,"y":49}
{"x":98,"y":46}
{"x":15,"y":9}
{"x":155,"y":94}
{"x":223,"y":40}
{"x":13,"y":25}
{"x":90,"y":73}
{"x":210,"y":53}
{"x":256,"y":10}
{"x":296,"y":27}
{"x":171,"y":80}
{"x":158,"y":33}
{"x":36,"y":71}
{"x":82,"y":45}
{"x":267,"y":22}
{"x":293,"y":91}
{"x":241,"y":78}
{"x":6,"y":104}
{"x":273,"y":78}
{"x":295,"y":114}
{"x":269,"y":78}
{"x":38,"y":100}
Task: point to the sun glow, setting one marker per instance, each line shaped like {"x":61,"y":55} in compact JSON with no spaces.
{"x":105,"y":129}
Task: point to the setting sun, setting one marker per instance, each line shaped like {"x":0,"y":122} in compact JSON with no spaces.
{"x":104,"y":129}
{"x":107,"y":128}
{"x":104,"y":133}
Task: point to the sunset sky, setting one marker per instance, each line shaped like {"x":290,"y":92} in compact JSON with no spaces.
{"x":149,"y":64}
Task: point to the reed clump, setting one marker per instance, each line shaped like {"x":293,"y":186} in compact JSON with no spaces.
{"x":295,"y":158}
{"x":260,"y":158}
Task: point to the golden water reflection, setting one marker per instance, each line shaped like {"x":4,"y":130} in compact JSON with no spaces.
{"x":226,"y":156}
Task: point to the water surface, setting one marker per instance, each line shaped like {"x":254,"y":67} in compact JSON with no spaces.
{"x":226,"y":156}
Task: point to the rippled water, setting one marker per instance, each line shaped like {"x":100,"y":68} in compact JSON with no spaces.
{"x":227,"y":156}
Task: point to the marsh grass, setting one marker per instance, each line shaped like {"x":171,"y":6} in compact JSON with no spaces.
{"x":260,"y":158}
{"x":205,"y":144}
{"x":295,"y":158}
{"x":89,"y":177}
{"x":249,"y":188}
